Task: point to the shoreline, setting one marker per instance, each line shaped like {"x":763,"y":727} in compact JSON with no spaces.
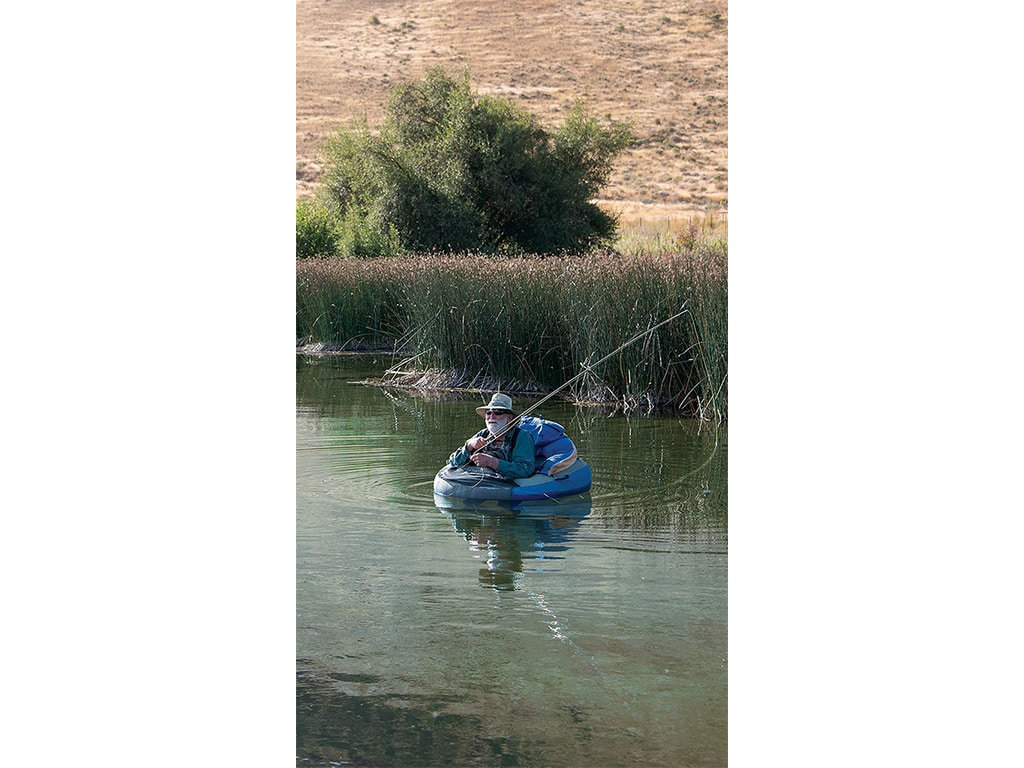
{"x":437,"y":384}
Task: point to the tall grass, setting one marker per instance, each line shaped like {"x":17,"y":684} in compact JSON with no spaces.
{"x":535,"y":322}
{"x":348,"y":304}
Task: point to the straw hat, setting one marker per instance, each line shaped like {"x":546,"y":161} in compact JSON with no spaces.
{"x":498,"y":400}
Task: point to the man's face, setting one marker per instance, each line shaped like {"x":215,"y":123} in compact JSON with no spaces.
{"x":496,"y":419}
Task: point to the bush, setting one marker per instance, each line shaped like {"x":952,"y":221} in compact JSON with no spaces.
{"x":359,"y":235}
{"x":451,"y":171}
{"x":315,"y":230}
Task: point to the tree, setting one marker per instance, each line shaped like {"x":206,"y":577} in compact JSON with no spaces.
{"x":454,"y":171}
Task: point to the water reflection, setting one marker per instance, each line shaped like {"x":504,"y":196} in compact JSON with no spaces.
{"x":511,"y":539}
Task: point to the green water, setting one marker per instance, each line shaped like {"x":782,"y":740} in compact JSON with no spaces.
{"x":591,"y":633}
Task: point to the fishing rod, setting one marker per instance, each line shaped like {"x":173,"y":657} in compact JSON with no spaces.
{"x":586,"y":369}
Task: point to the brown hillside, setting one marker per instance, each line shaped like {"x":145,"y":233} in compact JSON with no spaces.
{"x":662,"y":65}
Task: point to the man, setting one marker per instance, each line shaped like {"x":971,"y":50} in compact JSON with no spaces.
{"x":510,"y":455}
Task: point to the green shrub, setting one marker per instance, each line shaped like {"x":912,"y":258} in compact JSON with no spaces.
{"x":452,"y":171}
{"x":315,"y":230}
{"x":360,"y":235}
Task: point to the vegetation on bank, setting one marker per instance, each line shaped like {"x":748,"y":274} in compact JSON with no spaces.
{"x":531,"y":323}
{"x":452,"y":171}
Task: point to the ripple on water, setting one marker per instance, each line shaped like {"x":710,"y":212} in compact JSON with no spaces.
{"x":374,"y":471}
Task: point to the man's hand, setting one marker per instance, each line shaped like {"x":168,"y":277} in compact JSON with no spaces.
{"x":484,"y":460}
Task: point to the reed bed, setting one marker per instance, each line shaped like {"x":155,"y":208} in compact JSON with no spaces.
{"x":532,"y":323}
{"x":348,"y":305}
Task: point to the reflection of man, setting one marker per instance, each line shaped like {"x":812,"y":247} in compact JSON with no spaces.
{"x":499,"y":545}
{"x":504,"y":559}
{"x":505,"y":540}
{"x":510,"y":455}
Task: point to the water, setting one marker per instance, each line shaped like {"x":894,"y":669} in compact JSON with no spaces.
{"x":589,"y":633}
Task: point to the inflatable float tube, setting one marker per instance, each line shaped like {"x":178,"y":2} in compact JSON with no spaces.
{"x":574,"y":508}
{"x":472,"y":482}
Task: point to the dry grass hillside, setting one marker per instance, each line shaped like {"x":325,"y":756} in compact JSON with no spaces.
{"x":661,"y":64}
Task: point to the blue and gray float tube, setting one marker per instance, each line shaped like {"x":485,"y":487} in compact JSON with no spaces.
{"x":558,"y":471}
{"x":481,"y":483}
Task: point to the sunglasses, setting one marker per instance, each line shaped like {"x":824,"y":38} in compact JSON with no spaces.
{"x":495,"y":412}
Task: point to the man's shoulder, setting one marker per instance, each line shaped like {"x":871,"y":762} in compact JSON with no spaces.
{"x":521,"y":433}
